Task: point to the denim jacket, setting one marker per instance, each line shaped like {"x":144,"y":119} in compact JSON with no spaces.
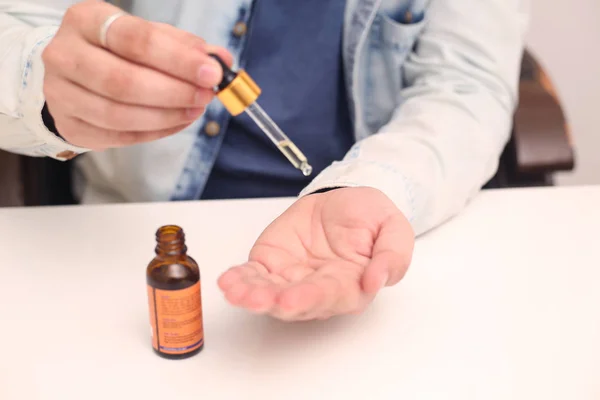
{"x":432,"y":89}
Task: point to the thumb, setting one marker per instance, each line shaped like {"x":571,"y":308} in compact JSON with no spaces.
{"x":392,"y":254}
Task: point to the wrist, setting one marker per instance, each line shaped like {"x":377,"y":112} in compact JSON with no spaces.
{"x":48,"y":121}
{"x":55,"y":146}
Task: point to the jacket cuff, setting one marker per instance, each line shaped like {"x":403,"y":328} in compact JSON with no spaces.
{"x":358,"y":173}
{"x":33,"y":101}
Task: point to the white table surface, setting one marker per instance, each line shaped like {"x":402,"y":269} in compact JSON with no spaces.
{"x":502,"y":302}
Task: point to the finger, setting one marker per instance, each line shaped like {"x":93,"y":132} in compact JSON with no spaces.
{"x":274,"y":258}
{"x":233,"y":276}
{"x":249,"y":286}
{"x":238,"y":273}
{"x":236,"y":293}
{"x":392,"y":253}
{"x":145,"y":43}
{"x":112,"y":77}
{"x":301,"y":299}
{"x":76,"y":101}
{"x":83,"y":134}
{"x":310,"y":298}
{"x":261,"y":295}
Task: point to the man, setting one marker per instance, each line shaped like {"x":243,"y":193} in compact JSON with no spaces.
{"x":401,"y":106}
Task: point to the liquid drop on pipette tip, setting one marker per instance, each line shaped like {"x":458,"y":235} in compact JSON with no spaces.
{"x":306,"y":169}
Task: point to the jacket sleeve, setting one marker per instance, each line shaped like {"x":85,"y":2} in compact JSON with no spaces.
{"x":444,"y":141}
{"x":26,"y":27}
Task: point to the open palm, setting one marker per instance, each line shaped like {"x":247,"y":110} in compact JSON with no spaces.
{"x":328,"y":254}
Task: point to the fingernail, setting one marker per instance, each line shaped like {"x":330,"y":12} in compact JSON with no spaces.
{"x":209,"y":74}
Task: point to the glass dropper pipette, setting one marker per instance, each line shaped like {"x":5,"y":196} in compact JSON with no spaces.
{"x":238,"y":93}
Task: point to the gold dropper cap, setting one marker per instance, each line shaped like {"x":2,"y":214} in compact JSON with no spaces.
{"x":237,"y":91}
{"x":240,"y":93}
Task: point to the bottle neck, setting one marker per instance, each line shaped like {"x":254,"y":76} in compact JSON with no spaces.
{"x":170,"y":241}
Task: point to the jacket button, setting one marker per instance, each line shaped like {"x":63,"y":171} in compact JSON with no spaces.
{"x":212,"y":128}
{"x":67,"y":154}
{"x":240,"y":29}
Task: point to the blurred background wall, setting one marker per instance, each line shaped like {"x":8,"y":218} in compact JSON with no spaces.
{"x":565,"y":37}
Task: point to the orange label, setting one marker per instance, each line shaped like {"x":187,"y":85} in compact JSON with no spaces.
{"x":176,"y":319}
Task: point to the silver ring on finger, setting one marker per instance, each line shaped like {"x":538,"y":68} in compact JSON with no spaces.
{"x":107,"y":23}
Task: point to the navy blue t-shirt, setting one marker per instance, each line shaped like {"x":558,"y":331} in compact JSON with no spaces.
{"x":293,"y":52}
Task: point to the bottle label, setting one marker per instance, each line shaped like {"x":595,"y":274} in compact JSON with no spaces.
{"x":176,"y":319}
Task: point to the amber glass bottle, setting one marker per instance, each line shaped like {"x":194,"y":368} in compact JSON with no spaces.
{"x":174,"y":297}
